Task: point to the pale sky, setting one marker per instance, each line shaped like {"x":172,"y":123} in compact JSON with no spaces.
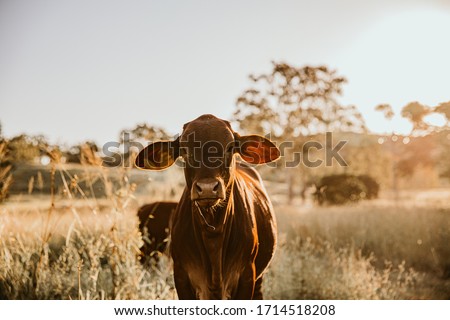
{"x":85,"y":69}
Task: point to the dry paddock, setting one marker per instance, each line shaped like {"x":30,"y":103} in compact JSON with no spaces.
{"x":87,"y":249}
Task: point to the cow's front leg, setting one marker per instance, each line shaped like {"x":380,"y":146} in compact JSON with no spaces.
{"x":183,"y":285}
{"x":246,"y":284}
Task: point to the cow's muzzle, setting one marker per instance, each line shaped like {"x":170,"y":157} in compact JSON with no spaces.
{"x":208,"y":192}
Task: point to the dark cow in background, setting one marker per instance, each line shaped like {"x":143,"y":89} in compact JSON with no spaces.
{"x":372,"y":186}
{"x":339,"y":189}
{"x":154,"y":226}
{"x":223,"y":231}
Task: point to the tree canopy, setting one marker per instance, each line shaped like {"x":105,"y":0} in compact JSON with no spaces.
{"x":144,"y":131}
{"x":296,"y":101}
{"x":386,"y":109}
{"x":444,"y":109}
{"x":416,"y":112}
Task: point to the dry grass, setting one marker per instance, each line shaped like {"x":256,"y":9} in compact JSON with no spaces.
{"x":5,"y":173}
{"x":81,"y":258}
{"x":417,"y":235}
{"x":304,"y":270}
{"x":367,"y":251}
{"x":85,"y":248}
{"x":77,"y":247}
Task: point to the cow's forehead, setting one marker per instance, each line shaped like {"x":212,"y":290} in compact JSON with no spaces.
{"x":207,"y":128}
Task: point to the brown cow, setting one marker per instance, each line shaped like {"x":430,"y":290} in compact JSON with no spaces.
{"x":154,"y":226}
{"x":223,"y":232}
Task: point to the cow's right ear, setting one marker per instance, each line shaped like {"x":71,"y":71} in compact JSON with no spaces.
{"x":255,"y":149}
{"x":158,"y":156}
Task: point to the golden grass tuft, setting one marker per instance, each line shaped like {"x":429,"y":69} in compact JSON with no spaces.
{"x":307,"y":270}
{"x":5,"y":173}
{"x":77,"y":248}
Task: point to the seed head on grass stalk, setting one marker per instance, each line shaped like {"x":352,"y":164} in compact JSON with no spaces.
{"x":5,"y":173}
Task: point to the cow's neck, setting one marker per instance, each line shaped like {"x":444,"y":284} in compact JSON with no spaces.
{"x":214,"y":232}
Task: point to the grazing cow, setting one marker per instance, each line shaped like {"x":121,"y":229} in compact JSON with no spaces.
{"x":372,"y":186}
{"x":339,"y":189}
{"x":319,"y":194}
{"x":223,"y":231}
{"x":154,"y":226}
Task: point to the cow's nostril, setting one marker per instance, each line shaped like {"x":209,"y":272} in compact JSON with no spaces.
{"x":198,"y":188}
{"x":216,"y":188}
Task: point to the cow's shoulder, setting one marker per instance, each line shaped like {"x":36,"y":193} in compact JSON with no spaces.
{"x":248,"y":171}
{"x":250,"y":189}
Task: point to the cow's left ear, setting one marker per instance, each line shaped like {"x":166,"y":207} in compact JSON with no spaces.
{"x":158,"y":156}
{"x":255,"y":149}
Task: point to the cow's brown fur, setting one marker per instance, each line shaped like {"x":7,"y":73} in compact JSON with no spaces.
{"x":220,"y":245}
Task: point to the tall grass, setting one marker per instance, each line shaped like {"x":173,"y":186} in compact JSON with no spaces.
{"x":96,"y":262}
{"x":78,"y":247}
{"x":5,"y":173}
{"x":365,"y":251}
{"x":417,"y":235}
{"x":68,"y":252}
{"x":307,"y":270}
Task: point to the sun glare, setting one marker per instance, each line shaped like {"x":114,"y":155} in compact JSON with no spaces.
{"x":434,"y":119}
{"x":400,"y":59}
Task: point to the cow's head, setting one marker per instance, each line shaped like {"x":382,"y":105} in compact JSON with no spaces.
{"x":207,"y":147}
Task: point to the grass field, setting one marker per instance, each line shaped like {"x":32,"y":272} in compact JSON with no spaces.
{"x":85,"y":248}
{"x":367,"y":251}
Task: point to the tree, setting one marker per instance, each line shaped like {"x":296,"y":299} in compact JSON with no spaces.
{"x":444,"y":156}
{"x":294,"y":101}
{"x":416,"y":112}
{"x":420,"y":151}
{"x":136,"y":138}
{"x":386,"y":109}
{"x":25,"y":148}
{"x":393,"y":144}
{"x":145,"y":132}
{"x":444,"y":161}
{"x":80,"y":152}
{"x":444,"y":109}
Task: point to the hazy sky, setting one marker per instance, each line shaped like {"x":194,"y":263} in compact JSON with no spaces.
{"x":85,"y":69}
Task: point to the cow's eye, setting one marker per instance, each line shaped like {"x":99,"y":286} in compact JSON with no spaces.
{"x":230,"y":149}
